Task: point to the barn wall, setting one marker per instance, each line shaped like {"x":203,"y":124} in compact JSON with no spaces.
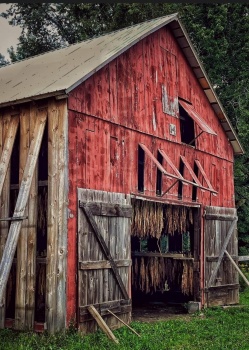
{"x":38,"y":271}
{"x":134,"y":99}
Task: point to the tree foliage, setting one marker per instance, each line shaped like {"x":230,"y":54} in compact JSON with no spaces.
{"x":219,"y":32}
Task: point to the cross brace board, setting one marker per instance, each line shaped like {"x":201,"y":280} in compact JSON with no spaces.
{"x":21,"y":203}
{"x":105,"y":249}
{"x":222,"y":252}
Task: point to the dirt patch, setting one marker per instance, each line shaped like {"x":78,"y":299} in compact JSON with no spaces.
{"x":159,"y":312}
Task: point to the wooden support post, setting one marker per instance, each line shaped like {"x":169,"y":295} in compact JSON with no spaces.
{"x":22,"y":199}
{"x":237,"y":268}
{"x":229,"y":235}
{"x":102,"y":323}
{"x":5,"y":198}
{"x":124,"y":323}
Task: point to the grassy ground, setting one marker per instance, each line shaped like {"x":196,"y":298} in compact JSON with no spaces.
{"x":212,"y":329}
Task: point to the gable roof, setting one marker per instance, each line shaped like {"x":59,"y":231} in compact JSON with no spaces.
{"x":58,"y":72}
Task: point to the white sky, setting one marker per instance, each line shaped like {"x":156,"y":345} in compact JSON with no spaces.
{"x":8,"y":33}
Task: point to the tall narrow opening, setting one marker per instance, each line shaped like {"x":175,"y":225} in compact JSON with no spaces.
{"x":180,"y":184}
{"x":194,"y":189}
{"x":41,"y":238}
{"x":187,"y":127}
{"x":141,"y":159}
{"x":159,"y":175}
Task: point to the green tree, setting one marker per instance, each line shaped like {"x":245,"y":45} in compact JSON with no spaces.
{"x":3,"y":61}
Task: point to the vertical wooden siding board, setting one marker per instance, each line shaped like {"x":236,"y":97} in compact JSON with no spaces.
{"x":52,"y":229}
{"x":21,"y":203}
{"x":7,"y":148}
{"x":62,"y":217}
{"x":31,"y":238}
{"x":22,"y":253}
{"x":5,"y":197}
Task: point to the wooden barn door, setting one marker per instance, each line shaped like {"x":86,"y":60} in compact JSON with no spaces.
{"x":104,"y":262}
{"x":220,"y":236}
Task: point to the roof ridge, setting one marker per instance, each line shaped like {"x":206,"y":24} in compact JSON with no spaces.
{"x":90,"y":38}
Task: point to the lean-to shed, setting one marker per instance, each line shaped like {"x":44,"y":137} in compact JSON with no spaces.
{"x":116,"y":181}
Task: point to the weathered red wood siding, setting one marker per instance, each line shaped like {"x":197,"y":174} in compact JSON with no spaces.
{"x":120,"y":106}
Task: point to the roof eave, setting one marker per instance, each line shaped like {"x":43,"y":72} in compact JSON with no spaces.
{"x":56,"y":94}
{"x":187,"y":48}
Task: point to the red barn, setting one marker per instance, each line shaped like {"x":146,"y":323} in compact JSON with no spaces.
{"x":116,"y":181}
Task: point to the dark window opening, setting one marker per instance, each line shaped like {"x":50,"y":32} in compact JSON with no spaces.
{"x":41,"y":240}
{"x":43,"y":157}
{"x":187,"y":127}
{"x":159,"y":175}
{"x":15,"y":160}
{"x":141,"y":158}
{"x":194,"y":190}
{"x":180,"y":184}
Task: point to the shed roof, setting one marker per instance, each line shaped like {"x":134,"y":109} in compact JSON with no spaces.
{"x":60,"y":71}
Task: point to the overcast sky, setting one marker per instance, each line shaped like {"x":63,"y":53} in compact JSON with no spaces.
{"x":8,"y":34}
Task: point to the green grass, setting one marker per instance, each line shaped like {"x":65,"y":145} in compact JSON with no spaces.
{"x":212,"y":329}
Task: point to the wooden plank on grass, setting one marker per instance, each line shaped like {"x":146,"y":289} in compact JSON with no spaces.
{"x":102,"y":324}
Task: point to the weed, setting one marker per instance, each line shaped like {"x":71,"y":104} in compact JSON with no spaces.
{"x":213,"y":329}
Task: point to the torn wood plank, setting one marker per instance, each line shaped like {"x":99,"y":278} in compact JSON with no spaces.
{"x":102,"y":324}
{"x":21,"y":202}
{"x":229,"y":235}
{"x":106,"y":250}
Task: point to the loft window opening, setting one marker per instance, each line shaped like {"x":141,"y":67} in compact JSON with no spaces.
{"x":159,"y":175}
{"x":141,"y":160}
{"x":188,"y":116}
{"x":186,"y":127}
{"x":180,"y":183}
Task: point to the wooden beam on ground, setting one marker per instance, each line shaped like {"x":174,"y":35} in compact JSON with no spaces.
{"x":124,"y":323}
{"x":237,"y":268}
{"x":21,"y":203}
{"x":229,"y":235}
{"x":102,"y":323}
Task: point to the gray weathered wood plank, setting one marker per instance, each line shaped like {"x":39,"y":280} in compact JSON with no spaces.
{"x":7,"y":148}
{"x":221,"y":253}
{"x":105,"y":250}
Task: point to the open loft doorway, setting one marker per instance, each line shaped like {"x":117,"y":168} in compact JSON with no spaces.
{"x":165,"y":249}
